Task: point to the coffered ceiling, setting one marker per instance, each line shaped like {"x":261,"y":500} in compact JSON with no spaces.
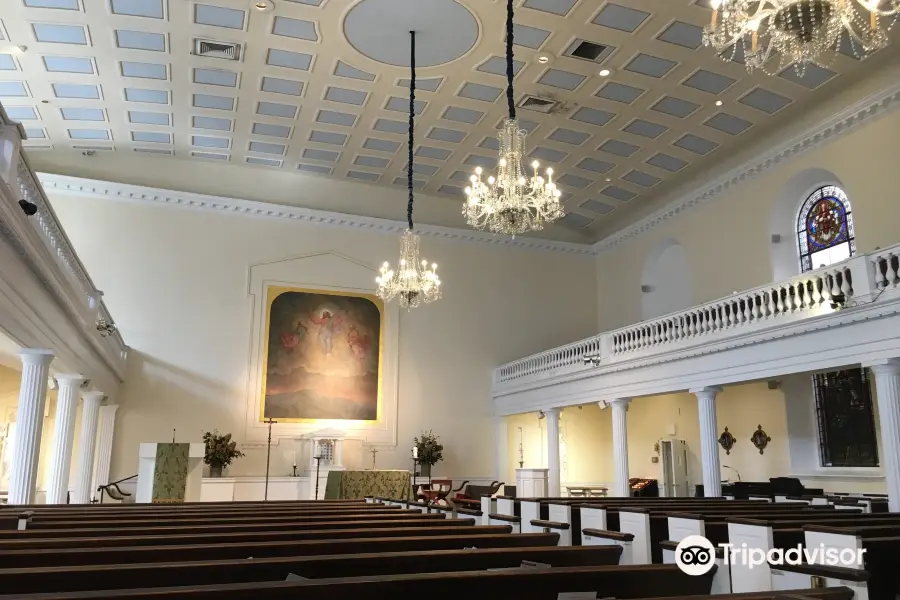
{"x":320,"y":87}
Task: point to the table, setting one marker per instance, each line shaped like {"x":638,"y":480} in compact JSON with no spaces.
{"x":356,"y":485}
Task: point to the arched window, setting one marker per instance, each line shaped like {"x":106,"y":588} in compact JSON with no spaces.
{"x":825,"y":229}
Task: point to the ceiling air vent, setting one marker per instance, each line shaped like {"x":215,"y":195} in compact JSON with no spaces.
{"x":212,"y":49}
{"x":541,"y":105}
{"x":589,"y":51}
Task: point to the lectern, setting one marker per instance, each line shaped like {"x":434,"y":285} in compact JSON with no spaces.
{"x":169,"y":473}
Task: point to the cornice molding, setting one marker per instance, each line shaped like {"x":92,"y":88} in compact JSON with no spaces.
{"x":826,"y":131}
{"x":264,"y":210}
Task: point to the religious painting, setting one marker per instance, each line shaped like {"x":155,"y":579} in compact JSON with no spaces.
{"x":323,"y":356}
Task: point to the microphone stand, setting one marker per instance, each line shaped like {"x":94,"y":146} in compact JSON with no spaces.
{"x":317,"y":459}
{"x":268,"y":457}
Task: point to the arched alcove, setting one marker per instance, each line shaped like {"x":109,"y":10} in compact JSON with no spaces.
{"x":666,"y":280}
{"x":783,"y":219}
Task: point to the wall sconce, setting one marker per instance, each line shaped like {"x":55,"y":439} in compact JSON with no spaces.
{"x":727,"y":441}
{"x":760,"y":439}
{"x":105,"y":328}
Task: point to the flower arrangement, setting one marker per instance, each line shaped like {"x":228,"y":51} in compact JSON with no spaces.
{"x":220,"y":450}
{"x":430,"y":451}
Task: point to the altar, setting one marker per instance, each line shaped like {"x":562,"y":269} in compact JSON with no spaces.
{"x":356,"y":485}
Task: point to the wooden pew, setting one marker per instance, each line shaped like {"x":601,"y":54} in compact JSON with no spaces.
{"x":142,"y":554}
{"x":119,"y":576}
{"x":636,"y":581}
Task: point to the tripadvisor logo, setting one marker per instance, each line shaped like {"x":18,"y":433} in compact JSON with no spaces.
{"x":696,"y":555}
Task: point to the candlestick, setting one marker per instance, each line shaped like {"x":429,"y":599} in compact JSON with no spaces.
{"x":415,"y":452}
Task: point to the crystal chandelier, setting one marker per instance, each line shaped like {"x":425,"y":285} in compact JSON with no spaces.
{"x":512,"y":203}
{"x":801,"y":32}
{"x":413,"y":282}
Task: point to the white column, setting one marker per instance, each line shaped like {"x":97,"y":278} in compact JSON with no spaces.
{"x":84,"y":468}
{"x":501,"y":450}
{"x":620,"y":446}
{"x":709,"y":445}
{"x":887,"y":388}
{"x":338,"y":454}
{"x":107,"y":429}
{"x":553,"y":482}
{"x":63,"y":436}
{"x":29,"y":423}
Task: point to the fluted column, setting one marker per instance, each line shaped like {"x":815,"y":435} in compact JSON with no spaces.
{"x":709,"y":448}
{"x":553,"y":482}
{"x":29,"y":423}
{"x":887,"y":388}
{"x":620,"y":446}
{"x":84,"y":468}
{"x":107,"y":429}
{"x":501,"y":451}
{"x":63,"y":436}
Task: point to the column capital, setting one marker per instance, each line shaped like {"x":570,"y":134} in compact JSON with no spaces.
{"x":70,"y":379}
{"x":36,"y":356}
{"x":552,"y":411}
{"x":706,"y":390}
{"x":885,"y":366}
{"x":93,"y":396}
{"x":112,"y":408}
{"x":623,"y":402}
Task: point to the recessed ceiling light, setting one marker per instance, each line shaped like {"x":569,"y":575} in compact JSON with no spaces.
{"x":605,"y":72}
{"x":13,"y":49}
{"x":718,"y":103}
{"x":263,"y":5}
{"x":608,"y":180}
{"x":545,"y":59}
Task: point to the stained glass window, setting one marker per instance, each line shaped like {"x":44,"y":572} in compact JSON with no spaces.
{"x":825,"y":229}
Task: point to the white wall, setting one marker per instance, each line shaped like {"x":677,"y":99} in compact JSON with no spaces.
{"x":177,"y":282}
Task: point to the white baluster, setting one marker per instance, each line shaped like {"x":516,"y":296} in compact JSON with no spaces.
{"x":846,"y":288}
{"x":755,"y":307}
{"x":771,"y":302}
{"x":719,"y":321}
{"x":816,"y":293}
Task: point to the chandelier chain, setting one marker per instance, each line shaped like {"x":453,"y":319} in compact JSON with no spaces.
{"x":412,"y":127}
{"x":510,"y":65}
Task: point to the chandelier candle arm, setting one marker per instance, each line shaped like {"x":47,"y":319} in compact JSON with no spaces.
{"x":413,"y":282}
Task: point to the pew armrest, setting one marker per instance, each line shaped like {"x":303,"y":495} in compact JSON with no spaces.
{"x":549,"y":524}
{"x":469,"y":511}
{"x":617,"y":536}
{"x":507,"y":518}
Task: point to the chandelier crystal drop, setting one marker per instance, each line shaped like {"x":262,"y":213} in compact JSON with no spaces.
{"x":414,"y":282}
{"x":512,"y":202}
{"x":798,"y":32}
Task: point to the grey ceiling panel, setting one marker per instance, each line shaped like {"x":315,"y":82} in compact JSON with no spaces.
{"x":295,"y":28}
{"x":345,"y":96}
{"x":372,"y":161}
{"x":428,"y":85}
{"x":215,"y":123}
{"x":22,"y":113}
{"x":282,"y":131}
{"x":208,"y":141}
{"x":487,"y":162}
{"x":575,"y":181}
{"x":597,"y":207}
{"x":333,"y":117}
{"x":76,"y":90}
{"x":423,"y":169}
{"x":491,"y":143}
{"x":642,"y":179}
{"x":728,"y":123}
{"x":89,"y":134}
{"x":402,"y":181}
{"x":327,"y":137}
{"x":446,"y":135}
{"x":59,"y":34}
{"x":695,"y":144}
{"x":432,"y":152}
{"x":144,"y":70}
{"x":152,"y":9}
{"x":620,"y":17}
{"x":850,"y":47}
{"x":812,"y":78}
{"x":619,"y":148}
{"x":462,"y":115}
{"x":496,"y":65}
{"x":477,"y":91}
{"x":617,"y":193}
{"x":530,"y":37}
{"x":575,"y":220}
{"x":645,"y":129}
{"x":12,"y":89}
{"x":140,"y":40}
{"x":620,"y":92}
{"x":562,"y":79}
{"x":556,"y":7}
{"x":763,"y":100}
{"x":549,"y":154}
{"x":707,"y":81}
{"x":149,"y":118}
{"x":35,"y":133}
{"x":289,"y":60}
{"x":350,"y":72}
{"x":652,"y":66}
{"x":402,"y":105}
{"x":676,"y":107}
{"x":452,"y":190}
{"x":592,"y":116}
{"x":81,"y":114}
{"x":381,"y":145}
{"x":269,"y":148}
{"x":7,"y":63}
{"x":215,"y":102}
{"x":308,"y":2}
{"x":154,"y":137}
{"x":363,"y":175}
{"x":274,"y":109}
{"x":59,"y":4}
{"x":667,"y":162}
{"x":461,"y":176}
{"x":282,"y":86}
{"x":597,"y":166}
{"x":218,"y":16}
{"x":683,"y":34}
{"x":567,"y":136}
{"x":67,"y":64}
{"x":267,"y":162}
{"x":315,"y":169}
{"x":391,"y":126}
{"x":210,"y":155}
{"x":149,"y":96}
{"x":167,"y":151}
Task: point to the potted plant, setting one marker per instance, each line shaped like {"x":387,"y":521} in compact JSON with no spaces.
{"x":430,"y":451}
{"x":220,"y":452}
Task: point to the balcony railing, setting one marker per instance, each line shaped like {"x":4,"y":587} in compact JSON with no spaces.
{"x":22,"y":181}
{"x":859,"y":280}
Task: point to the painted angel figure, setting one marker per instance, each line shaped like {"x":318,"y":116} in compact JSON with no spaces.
{"x":328,"y":325}
{"x":359,"y":344}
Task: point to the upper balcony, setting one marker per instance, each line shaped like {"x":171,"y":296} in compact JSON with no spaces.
{"x":43,"y":246}
{"x":812,"y":301}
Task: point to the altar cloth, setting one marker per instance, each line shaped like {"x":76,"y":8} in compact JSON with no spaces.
{"x":356,"y":485}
